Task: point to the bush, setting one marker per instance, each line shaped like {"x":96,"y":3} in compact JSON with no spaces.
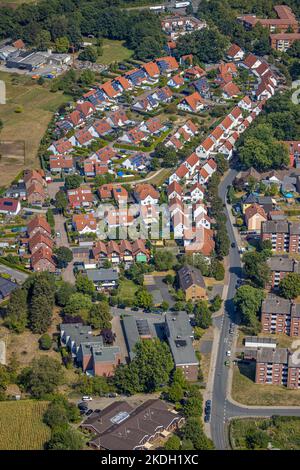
{"x":45,"y":342}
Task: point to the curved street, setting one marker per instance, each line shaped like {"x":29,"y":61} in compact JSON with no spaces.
{"x":223,"y":407}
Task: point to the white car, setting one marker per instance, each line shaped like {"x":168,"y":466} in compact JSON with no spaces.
{"x":228,"y":353}
{"x":86,"y":398}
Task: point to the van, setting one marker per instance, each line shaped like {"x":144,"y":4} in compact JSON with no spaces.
{"x":86,"y":398}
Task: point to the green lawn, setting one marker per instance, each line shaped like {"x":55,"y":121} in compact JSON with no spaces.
{"x":278,"y":433}
{"x":246,"y":391}
{"x":37,"y":105}
{"x":21,"y":425}
{"x":114,"y":51}
{"x":127,"y":290}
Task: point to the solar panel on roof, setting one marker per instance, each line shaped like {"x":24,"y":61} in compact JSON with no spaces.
{"x":120,"y":417}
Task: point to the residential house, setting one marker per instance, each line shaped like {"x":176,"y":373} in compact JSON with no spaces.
{"x":146,"y":194}
{"x":9,"y":206}
{"x":254,"y":216}
{"x":280,"y":266}
{"x":80,"y":197}
{"x":192,"y":103}
{"x":235,"y":53}
{"x":103,"y":279}
{"x":38,"y":224}
{"x":192,"y":283}
{"x":84,"y":223}
{"x":280,"y":316}
{"x":61,"y":163}
{"x":42,"y":260}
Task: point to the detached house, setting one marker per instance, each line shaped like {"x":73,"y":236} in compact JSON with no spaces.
{"x":192,"y":103}
{"x":192,"y":283}
{"x":61,"y":163}
{"x":235,"y":53}
{"x":80,"y":197}
{"x":254,"y":216}
{"x":146,"y":195}
{"x":84,"y":223}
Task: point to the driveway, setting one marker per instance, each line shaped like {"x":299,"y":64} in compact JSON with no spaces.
{"x":156,"y":283}
{"x":62,"y":240}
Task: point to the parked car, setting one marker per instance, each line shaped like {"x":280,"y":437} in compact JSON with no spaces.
{"x":89,"y":412}
{"x":233,"y":245}
{"x":207,"y":406}
{"x":228,"y":353}
{"x":86,"y":398}
{"x":207,"y":418}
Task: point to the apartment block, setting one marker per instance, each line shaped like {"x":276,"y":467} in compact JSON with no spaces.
{"x":280,"y":315}
{"x":284,"y":235}
{"x":280,"y":266}
{"x":278,"y":367}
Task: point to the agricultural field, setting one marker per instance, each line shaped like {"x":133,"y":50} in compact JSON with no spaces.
{"x":114,"y":51}
{"x":280,"y":432}
{"x":26,"y":114}
{"x":21,"y":425}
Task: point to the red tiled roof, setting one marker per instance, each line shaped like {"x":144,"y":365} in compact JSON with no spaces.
{"x":38,"y":221}
{"x":39,"y":238}
{"x":8,"y":204}
{"x":151,"y":69}
{"x":174,"y":186}
{"x":233,"y":50}
{"x":192,"y":160}
{"x":81,"y":221}
{"x":60,"y":162}
{"x":42,"y":253}
{"x":207,"y":143}
{"x":102,"y":127}
{"x":109,"y":89}
{"x":231,"y":89}
{"x":143,"y":190}
{"x":194,"y":100}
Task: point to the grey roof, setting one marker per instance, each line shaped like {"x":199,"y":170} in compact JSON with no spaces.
{"x":265,"y":200}
{"x":102,"y":275}
{"x":295,"y":228}
{"x":7,"y":287}
{"x":273,"y":356}
{"x":134,"y":329}
{"x":294,"y":359}
{"x":260,"y":339}
{"x":250,"y":199}
{"x":272,"y":226}
{"x":189,"y":276}
{"x":275,"y":304}
{"x":284,"y":264}
{"x":100,"y":351}
{"x":179,"y":334}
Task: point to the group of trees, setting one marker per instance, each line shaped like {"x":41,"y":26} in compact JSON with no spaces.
{"x":247,"y":301}
{"x":32,"y":305}
{"x":63,"y":24}
{"x":206,"y":45}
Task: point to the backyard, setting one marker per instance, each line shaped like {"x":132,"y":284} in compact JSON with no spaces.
{"x":26,"y":114}
{"x":280,"y":432}
{"x":21,"y":425}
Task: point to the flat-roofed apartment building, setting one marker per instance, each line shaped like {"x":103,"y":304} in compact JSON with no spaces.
{"x":284,"y":235}
{"x":278,"y":367}
{"x":280,"y":266}
{"x":180,"y":336}
{"x":280,"y":315}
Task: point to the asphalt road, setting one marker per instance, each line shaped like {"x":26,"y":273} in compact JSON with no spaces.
{"x":14,"y":273}
{"x":222,"y":408}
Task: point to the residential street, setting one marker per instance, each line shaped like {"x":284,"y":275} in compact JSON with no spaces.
{"x":14,"y":273}
{"x":223,"y":407}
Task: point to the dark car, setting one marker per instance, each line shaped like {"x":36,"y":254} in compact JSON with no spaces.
{"x":83,"y":406}
{"x":207,"y":418}
{"x":135,"y":309}
{"x":233,"y":245}
{"x":89,"y":412}
{"x":207,"y":406}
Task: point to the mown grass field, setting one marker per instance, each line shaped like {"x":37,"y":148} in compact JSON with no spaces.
{"x":37,"y":104}
{"x":127,"y":290}
{"x":282,"y":432}
{"x":246,"y":391}
{"x":114,"y":51}
{"x":21,"y":426}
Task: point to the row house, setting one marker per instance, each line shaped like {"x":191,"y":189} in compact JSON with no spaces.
{"x":80,"y":197}
{"x":284,"y":235}
{"x":279,"y":267}
{"x":207,"y":170}
{"x":84,"y":223}
{"x":183,"y":135}
{"x":116,"y":192}
{"x":35,"y":187}
{"x":285,"y":21}
{"x":40,"y":244}
{"x":280,"y":316}
{"x":123,"y":252}
{"x":61,"y":163}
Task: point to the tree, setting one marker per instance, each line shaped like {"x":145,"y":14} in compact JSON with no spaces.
{"x":42,"y":377}
{"x":41,"y":304}
{"x":165,"y":305}
{"x":143,"y":298}
{"x":63,"y":256}
{"x":216,"y":304}
{"x":193,"y":407}
{"x":78,"y":305}
{"x":193,"y":431}
{"x":62,"y":45}
{"x":100,"y":316}
{"x":87,"y":77}
{"x":289,"y":286}
{"x":175,"y":393}
{"x":61,"y":200}
{"x":16,"y":316}
{"x":217,"y":270}
{"x":256,"y":439}
{"x":207,"y":45}
{"x":222,"y":242}
{"x":222,"y":163}
{"x":247,"y":301}
{"x":45,"y":342}
{"x":173,"y":443}
{"x":148,"y":371}
{"x":202,"y":314}
{"x":294,"y":50}
{"x":256,"y":268}
{"x":89,"y":54}
{"x":43,"y":40}
{"x":164,"y":260}
{"x":66,"y":439}
{"x":63,"y":293}
{"x":73,"y":181}
{"x":84,"y":285}
{"x":55,"y":416}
